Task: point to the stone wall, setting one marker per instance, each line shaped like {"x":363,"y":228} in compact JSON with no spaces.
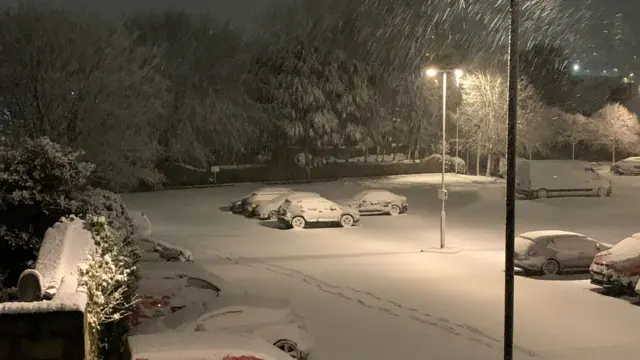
{"x":53,"y":335}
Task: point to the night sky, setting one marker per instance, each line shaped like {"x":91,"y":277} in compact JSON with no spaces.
{"x":613,"y":39}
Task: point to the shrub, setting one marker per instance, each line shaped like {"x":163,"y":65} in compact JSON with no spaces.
{"x":37,"y":180}
{"x":450,"y":163}
{"x":107,"y":277}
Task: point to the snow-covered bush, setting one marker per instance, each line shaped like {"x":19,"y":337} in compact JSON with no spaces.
{"x":106,"y":277}
{"x":449,"y":162}
{"x":37,"y":180}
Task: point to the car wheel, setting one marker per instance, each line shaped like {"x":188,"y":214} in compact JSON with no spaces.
{"x":602,"y":192}
{"x":346,"y":221}
{"x":298,"y":222}
{"x":273,"y":215}
{"x":173,"y":259}
{"x":289,"y":347}
{"x":395,"y":210}
{"x":542,"y":194}
{"x":550,"y":267}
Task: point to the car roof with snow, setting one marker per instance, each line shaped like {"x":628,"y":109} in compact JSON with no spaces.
{"x":540,"y":234}
{"x":302,"y":195}
{"x":201,"y":346}
{"x":156,"y":270}
{"x":274,"y":189}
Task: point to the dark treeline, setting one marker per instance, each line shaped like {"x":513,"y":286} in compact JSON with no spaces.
{"x":181,"y":88}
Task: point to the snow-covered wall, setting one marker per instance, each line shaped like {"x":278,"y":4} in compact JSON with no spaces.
{"x":66,"y":245}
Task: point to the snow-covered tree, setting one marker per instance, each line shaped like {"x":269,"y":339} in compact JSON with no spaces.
{"x":536,"y":122}
{"x":616,"y":128}
{"x":576,"y":128}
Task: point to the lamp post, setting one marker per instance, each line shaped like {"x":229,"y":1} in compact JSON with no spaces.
{"x":442,"y":192}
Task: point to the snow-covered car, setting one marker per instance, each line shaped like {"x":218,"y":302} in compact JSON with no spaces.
{"x":269,"y":210}
{"x":617,"y":270}
{"x":271,"y":319}
{"x":164,"y":251}
{"x":238,"y":206}
{"x":262,"y":196}
{"x":628,"y":166}
{"x":378,"y":202}
{"x":552,"y":251}
{"x":193,"y":273}
{"x":297,"y":213}
{"x":201,"y":346}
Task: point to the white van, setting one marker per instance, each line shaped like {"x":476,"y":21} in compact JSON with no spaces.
{"x":545,"y":178}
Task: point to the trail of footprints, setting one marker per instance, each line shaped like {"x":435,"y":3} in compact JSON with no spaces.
{"x":374,"y":302}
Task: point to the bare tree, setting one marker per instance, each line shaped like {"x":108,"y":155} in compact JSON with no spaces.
{"x":617,"y":129}
{"x":80,"y":81}
{"x":535,"y":130}
{"x":576,"y":128}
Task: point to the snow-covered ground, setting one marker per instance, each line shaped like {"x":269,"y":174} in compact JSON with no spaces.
{"x":371,"y":294}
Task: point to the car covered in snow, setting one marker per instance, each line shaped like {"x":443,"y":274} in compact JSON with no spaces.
{"x":378,"y":202}
{"x":628,"y":166}
{"x":165,"y":251}
{"x":273,"y":320}
{"x":269,"y":210}
{"x":190,"y":273}
{"x":238,"y":206}
{"x":259,"y":197}
{"x":297,"y":213}
{"x":617,"y":270}
{"x":201,"y":346}
{"x":551,"y":252}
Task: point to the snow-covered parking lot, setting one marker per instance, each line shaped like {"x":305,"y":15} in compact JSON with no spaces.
{"x":371,"y":294}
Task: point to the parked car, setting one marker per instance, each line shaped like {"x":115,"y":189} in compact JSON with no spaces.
{"x":273,"y":320}
{"x":238,"y":206}
{"x":546,"y":178}
{"x":259,"y":197}
{"x":201,"y":346}
{"x":269,"y":209}
{"x":628,"y":166}
{"x":195,"y":274}
{"x":617,"y":269}
{"x":552,"y":251}
{"x":164,"y":251}
{"x":298,"y":212}
{"x":377,"y":202}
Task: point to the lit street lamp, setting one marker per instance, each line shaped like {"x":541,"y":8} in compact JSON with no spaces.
{"x":442,"y":193}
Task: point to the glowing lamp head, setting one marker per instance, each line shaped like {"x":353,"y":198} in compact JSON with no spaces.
{"x":431,"y":72}
{"x":458,"y":72}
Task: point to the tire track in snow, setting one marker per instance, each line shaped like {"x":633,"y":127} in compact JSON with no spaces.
{"x":374,"y":302}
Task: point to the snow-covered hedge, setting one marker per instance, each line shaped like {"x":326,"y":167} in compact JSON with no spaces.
{"x":107,"y":278}
{"x":37,"y":181}
{"x":452,"y":163}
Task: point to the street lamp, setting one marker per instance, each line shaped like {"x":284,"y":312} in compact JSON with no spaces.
{"x":442,"y":193}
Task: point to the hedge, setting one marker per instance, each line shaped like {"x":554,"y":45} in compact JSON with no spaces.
{"x":178,"y":175}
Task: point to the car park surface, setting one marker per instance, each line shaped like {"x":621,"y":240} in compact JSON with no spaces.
{"x":370,"y":293}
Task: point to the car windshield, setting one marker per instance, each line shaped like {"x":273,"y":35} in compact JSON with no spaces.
{"x":361,"y":195}
{"x":522,"y":244}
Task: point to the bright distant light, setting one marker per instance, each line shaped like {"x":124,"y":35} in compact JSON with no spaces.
{"x":615,"y":70}
{"x":576,"y":67}
{"x":458,"y":72}
{"x":631,"y":75}
{"x":431,"y":72}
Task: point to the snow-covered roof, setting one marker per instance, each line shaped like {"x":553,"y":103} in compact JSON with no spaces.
{"x":535,"y":235}
{"x":204,"y":345}
{"x":271,"y":189}
{"x":65,"y":246}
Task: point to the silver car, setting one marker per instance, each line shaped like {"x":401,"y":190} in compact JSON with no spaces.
{"x":628,"y":166}
{"x":378,"y":202}
{"x":552,"y":251}
{"x":269,"y":209}
{"x":238,"y":206}
{"x":297,"y":213}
